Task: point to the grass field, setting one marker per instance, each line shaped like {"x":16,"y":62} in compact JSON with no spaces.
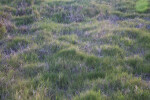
{"x":74,"y":50}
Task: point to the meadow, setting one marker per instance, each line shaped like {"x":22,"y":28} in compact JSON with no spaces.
{"x":74,"y":50}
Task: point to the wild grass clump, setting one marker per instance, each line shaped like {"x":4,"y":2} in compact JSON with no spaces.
{"x":127,"y":41}
{"x":108,"y":50}
{"x":2,"y":31}
{"x":113,"y":83}
{"x":8,"y":9}
{"x":144,"y":39}
{"x":6,"y":1}
{"x":69,"y":38}
{"x":125,"y":6}
{"x":129,"y":32}
{"x":95,"y":75}
{"x":24,"y":20}
{"x":60,"y":17}
{"x":16,"y":44}
{"x":142,"y":5}
{"x":93,"y":61}
{"x":30,"y":57}
{"x":31,"y":70}
{"x":71,"y":53}
{"x":24,"y":11}
{"x":91,"y":11}
{"x":147,"y":56}
{"x":137,"y":63}
{"x":74,"y":54}
{"x":54,"y":47}
{"x":89,"y":95}
{"x":14,"y":62}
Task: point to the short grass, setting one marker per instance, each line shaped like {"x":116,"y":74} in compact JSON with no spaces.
{"x":74,"y":50}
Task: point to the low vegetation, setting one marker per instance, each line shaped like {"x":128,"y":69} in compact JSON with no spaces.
{"x":74,"y":50}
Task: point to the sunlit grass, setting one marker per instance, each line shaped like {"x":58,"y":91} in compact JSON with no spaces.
{"x":142,"y":5}
{"x":74,"y":50}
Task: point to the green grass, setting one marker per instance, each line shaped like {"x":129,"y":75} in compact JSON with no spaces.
{"x":113,"y":50}
{"x":142,"y":5}
{"x":90,"y":95}
{"x":16,"y":44}
{"x":2,"y":31}
{"x":74,"y":50}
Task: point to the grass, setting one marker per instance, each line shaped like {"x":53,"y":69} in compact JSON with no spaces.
{"x":16,"y":44}
{"x":90,"y":95}
{"x":74,"y":50}
{"x":142,"y":5}
{"x":111,"y":50}
{"x":2,"y":31}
